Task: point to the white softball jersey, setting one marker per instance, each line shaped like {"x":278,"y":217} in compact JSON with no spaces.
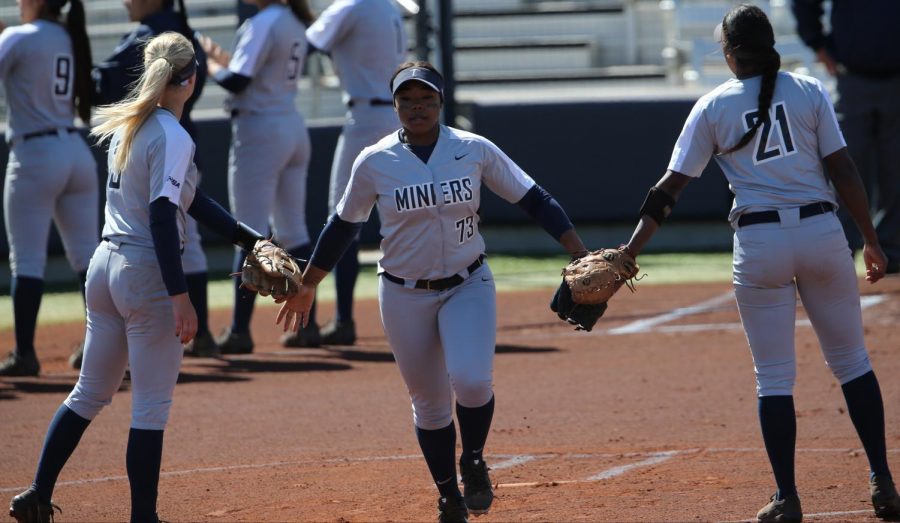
{"x":802,"y":129}
{"x":429,"y":212}
{"x":270,"y":48}
{"x":346,"y":31}
{"x":37,"y":67}
{"x":161,"y":165}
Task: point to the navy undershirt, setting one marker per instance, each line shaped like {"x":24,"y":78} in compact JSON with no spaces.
{"x":544,"y":209}
{"x":335,"y":238}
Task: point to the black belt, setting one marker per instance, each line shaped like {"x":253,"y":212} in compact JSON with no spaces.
{"x":373,"y":101}
{"x":123,"y":243}
{"x":772,"y":216}
{"x":47,"y":132}
{"x":437,"y":285}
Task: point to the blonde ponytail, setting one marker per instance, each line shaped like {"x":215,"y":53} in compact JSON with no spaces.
{"x":163,"y":56}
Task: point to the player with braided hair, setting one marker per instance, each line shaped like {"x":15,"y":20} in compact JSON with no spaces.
{"x":46,"y":70}
{"x":770,"y":132}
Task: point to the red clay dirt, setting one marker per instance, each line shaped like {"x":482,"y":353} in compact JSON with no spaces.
{"x":653,"y":424}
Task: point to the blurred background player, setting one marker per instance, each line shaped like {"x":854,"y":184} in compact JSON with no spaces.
{"x":270,"y":146}
{"x":46,"y":71}
{"x":137,"y":291}
{"x":112,"y":79}
{"x":436,"y":292}
{"x":366,"y":41}
{"x":862,"y":51}
{"x":770,"y":132}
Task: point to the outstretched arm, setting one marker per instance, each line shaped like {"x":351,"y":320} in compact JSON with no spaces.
{"x":657,"y":206}
{"x":545,"y":210}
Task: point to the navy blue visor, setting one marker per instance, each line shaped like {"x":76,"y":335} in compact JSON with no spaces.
{"x":419,"y":74}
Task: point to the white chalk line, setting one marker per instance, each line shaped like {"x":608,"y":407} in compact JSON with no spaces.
{"x":647,"y":324}
{"x":655,"y":458}
{"x":505,"y":461}
{"x":817,"y":515}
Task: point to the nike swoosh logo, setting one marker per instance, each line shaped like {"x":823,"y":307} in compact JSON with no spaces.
{"x":461,"y":156}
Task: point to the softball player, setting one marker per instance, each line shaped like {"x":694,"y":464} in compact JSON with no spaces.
{"x":366,"y":41}
{"x":436,"y":293}
{"x":51,"y":174}
{"x":112,"y":78}
{"x":270,"y":146}
{"x":770,"y":133}
{"x":136,"y":289}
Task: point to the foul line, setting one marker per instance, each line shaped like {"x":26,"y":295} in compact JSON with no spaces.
{"x":648,"y":323}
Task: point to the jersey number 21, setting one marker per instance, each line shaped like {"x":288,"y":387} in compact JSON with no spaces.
{"x":768,"y":147}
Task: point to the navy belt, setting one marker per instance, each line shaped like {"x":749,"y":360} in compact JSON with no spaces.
{"x":45,"y":132}
{"x":373,"y":101}
{"x":437,"y":285}
{"x":806,"y":211}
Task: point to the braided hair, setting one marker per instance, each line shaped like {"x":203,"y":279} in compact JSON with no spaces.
{"x":747,"y":35}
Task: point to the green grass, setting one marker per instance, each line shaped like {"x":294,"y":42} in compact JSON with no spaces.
{"x":510,"y":272}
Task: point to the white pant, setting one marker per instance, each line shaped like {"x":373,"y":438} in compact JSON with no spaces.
{"x":772,"y":262}
{"x":129,"y":323}
{"x":443,"y":342}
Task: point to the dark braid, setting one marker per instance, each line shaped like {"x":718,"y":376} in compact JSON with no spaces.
{"x":81,"y":46}
{"x":182,"y":13}
{"x":749,"y":38}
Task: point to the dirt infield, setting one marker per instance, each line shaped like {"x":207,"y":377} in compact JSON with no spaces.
{"x":651,"y":417}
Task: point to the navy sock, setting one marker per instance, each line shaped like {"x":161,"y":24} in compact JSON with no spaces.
{"x":305,"y":252}
{"x":866,"y":408}
{"x":82,"y":285}
{"x":196,"y":284}
{"x":345,"y":273}
{"x":243,"y":299}
{"x":63,"y":436}
{"x":439,"y":448}
{"x":26,"y":297}
{"x":779,"y":431}
{"x":474,"y":425}
{"x":142,"y":460}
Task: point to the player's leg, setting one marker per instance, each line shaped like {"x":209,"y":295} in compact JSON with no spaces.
{"x":100,"y":377}
{"x":888,"y":149}
{"x":155,"y":357}
{"x":468,"y":327}
{"x":75,"y":214}
{"x":767,"y":301}
{"x":410,"y":323}
{"x":290,"y":216}
{"x":30,"y":191}
{"x":342,"y":330}
{"x":830,"y":294}
{"x":194,"y":262}
{"x":252,"y":165}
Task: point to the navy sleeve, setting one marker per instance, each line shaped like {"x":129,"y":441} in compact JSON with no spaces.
{"x":545,"y":210}
{"x":334,"y":240}
{"x":310,"y":49}
{"x":809,"y":22}
{"x":166,"y":243}
{"x":116,"y":74}
{"x":233,"y":82}
{"x":211,"y":214}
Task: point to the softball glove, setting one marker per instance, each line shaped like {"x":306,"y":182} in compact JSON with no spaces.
{"x":270,"y":270}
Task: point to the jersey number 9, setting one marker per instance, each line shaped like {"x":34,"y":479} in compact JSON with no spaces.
{"x":62,"y":75}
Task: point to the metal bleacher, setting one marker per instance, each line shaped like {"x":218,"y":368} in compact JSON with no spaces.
{"x":513,"y":45}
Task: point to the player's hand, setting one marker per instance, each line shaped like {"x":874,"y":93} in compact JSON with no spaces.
{"x":875,"y":260}
{"x":214,"y":51}
{"x":295,"y":310}
{"x":185,"y":317}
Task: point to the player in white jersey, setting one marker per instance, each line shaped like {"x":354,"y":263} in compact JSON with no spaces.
{"x":270,"y":147}
{"x":366,"y":41}
{"x":770,"y":133}
{"x":46,"y":72}
{"x":136,"y":289}
{"x":436,"y":292}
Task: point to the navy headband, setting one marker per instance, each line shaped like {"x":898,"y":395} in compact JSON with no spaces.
{"x":419,"y":74}
{"x":185,"y":73}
